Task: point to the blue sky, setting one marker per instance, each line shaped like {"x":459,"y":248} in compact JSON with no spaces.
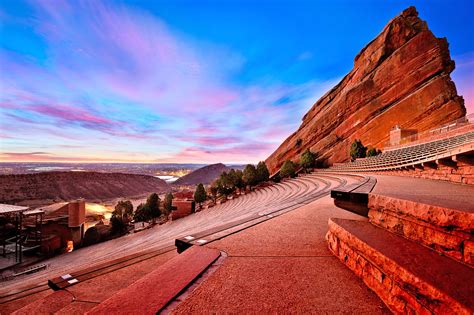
{"x":186,"y":81}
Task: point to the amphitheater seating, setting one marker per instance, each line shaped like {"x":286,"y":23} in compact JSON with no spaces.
{"x":412,"y":155}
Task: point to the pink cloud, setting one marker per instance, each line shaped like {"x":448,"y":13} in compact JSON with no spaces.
{"x":463,"y":76}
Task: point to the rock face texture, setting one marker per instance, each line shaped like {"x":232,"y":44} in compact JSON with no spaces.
{"x":400,"y":78}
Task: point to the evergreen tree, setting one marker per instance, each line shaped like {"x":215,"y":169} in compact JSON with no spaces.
{"x":153,"y":206}
{"x":124,"y":210}
{"x":262,"y":172}
{"x":214,"y":189}
{"x":250,"y":175}
{"x":168,"y":203}
{"x":226,"y":184}
{"x":373,"y":152}
{"x":288,"y":169}
{"x":200,"y":195}
{"x":119,"y":226}
{"x":142,"y":213}
{"x":308,"y":159}
{"x":357,"y":150}
{"x":239,"y":181}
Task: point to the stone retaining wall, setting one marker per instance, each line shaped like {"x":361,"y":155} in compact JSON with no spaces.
{"x":393,"y":284}
{"x":445,"y":230}
{"x":463,"y":173}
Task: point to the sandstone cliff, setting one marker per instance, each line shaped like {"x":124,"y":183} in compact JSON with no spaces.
{"x":400,"y":78}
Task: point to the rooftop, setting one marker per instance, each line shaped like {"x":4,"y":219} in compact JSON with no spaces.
{"x":4,"y":208}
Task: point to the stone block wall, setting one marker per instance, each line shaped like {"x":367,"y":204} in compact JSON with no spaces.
{"x":392,"y":283}
{"x":445,"y":230}
{"x":462,"y":174}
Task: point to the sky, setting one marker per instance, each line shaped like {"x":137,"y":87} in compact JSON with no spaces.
{"x":186,"y":81}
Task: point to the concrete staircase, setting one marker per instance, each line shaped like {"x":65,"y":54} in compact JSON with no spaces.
{"x":417,"y":257}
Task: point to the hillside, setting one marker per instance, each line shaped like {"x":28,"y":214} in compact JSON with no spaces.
{"x":34,"y":188}
{"x":400,"y":78}
{"x":204,"y":175}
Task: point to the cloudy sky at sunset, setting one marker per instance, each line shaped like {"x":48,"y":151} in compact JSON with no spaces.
{"x":186,"y":81}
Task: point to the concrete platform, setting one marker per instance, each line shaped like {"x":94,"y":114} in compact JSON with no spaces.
{"x":407,"y":276}
{"x":427,"y":191}
{"x":282,"y":266}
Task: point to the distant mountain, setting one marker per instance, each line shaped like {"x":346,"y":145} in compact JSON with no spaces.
{"x":204,"y":175}
{"x":92,"y":186}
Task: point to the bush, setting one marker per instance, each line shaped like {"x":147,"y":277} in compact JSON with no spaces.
{"x":357,"y":150}
{"x":200,"y":194}
{"x":288,"y":169}
{"x":262,"y":172}
{"x":124,"y":210}
{"x":308,"y":159}
{"x":373,"y":152}
{"x":142,"y":213}
{"x":119,"y":226}
{"x":153,"y":205}
{"x":96,"y":234}
{"x":249,"y":175}
{"x":168,"y":203}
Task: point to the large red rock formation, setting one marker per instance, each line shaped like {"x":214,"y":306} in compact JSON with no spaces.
{"x":400,"y":78}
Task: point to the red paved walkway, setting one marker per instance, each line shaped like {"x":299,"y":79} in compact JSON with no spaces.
{"x":283,"y":265}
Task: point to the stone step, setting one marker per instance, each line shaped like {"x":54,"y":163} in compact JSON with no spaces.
{"x":447,"y":231}
{"x":153,"y":292}
{"x":354,"y":197}
{"x":408,"y":277}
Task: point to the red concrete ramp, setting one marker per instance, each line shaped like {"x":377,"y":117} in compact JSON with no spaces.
{"x":48,"y":305}
{"x":153,"y":292}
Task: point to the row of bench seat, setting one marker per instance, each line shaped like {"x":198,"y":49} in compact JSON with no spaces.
{"x":411,"y":155}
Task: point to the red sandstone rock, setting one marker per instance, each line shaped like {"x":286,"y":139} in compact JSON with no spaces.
{"x":399,"y":78}
{"x":445,"y":230}
{"x":410,"y":279}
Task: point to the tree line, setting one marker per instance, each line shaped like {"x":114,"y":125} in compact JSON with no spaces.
{"x":152,"y":209}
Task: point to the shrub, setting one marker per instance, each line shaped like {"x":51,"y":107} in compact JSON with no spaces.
{"x":262,"y":172}
{"x":249,"y":175}
{"x":153,"y":205}
{"x":168,"y":203}
{"x":308,"y":159}
{"x":373,"y":152}
{"x":200,"y":194}
{"x":124,"y":210}
{"x":142,"y":213}
{"x":288,"y":169}
{"x":357,"y":150}
{"x":119,"y":226}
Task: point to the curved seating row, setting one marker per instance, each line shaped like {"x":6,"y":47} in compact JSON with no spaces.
{"x":277,"y":198}
{"x":412,"y":155}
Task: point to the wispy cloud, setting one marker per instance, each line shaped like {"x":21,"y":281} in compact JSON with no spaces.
{"x":463,"y":76}
{"x":116,"y":77}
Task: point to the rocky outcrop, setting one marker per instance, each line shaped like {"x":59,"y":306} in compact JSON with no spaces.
{"x":204,"y":175}
{"x":399,"y":78}
{"x":43,"y":188}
